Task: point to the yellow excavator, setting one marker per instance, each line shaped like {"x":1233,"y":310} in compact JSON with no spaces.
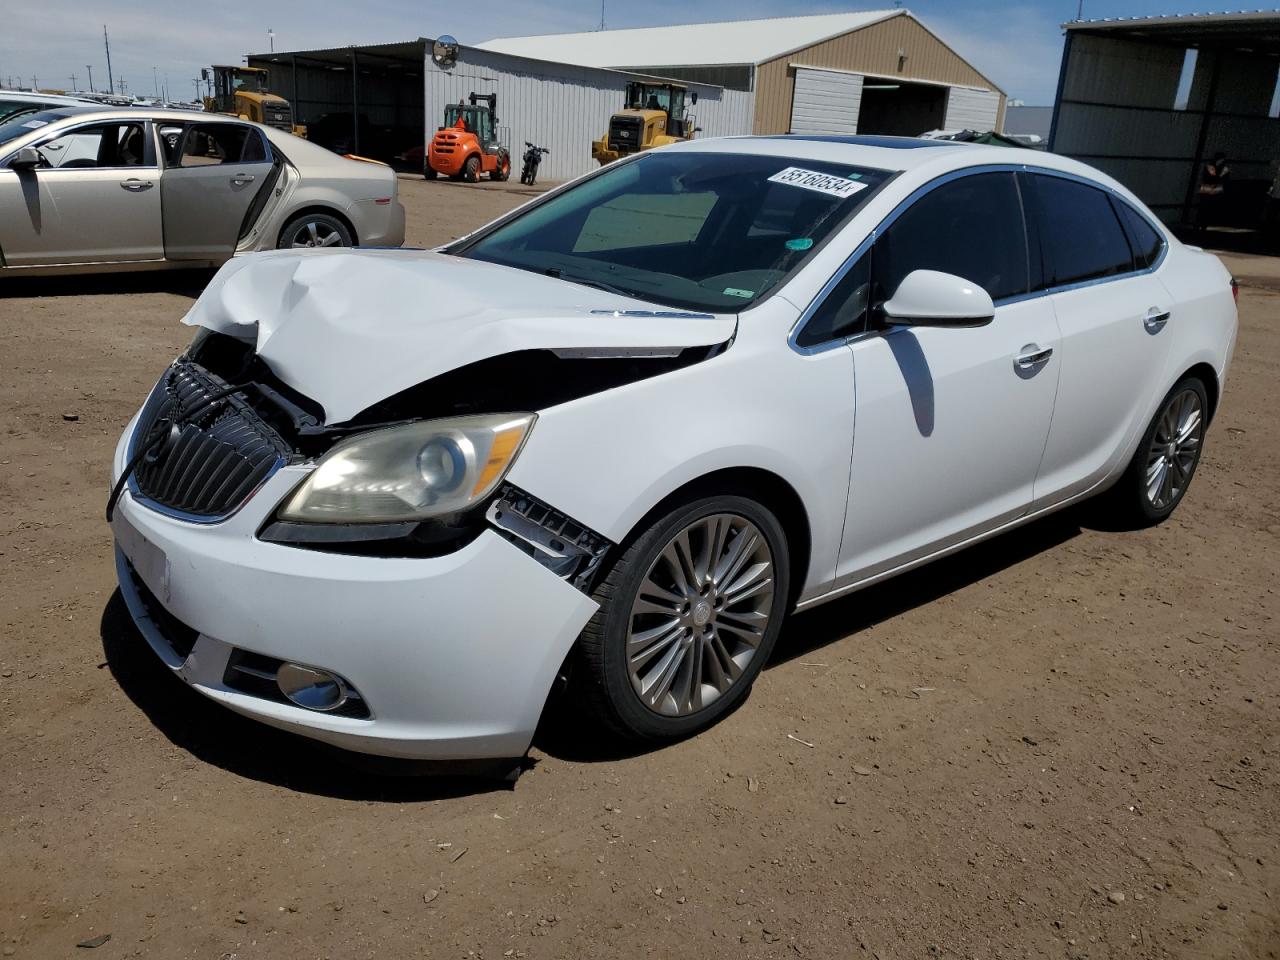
{"x":243,"y":92}
{"x":654,"y":116}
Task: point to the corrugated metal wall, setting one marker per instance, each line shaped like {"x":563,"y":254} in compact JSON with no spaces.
{"x":561,"y":107}
{"x":872,"y":50}
{"x":971,"y":109}
{"x":1116,"y":111}
{"x":826,"y":101}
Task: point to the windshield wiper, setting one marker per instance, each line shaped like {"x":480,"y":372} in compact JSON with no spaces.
{"x":587,"y":282}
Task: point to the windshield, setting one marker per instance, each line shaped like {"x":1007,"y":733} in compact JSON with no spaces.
{"x":21,"y":124}
{"x":700,"y":231}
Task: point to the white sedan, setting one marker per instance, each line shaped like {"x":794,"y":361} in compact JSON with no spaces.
{"x":387,"y":499}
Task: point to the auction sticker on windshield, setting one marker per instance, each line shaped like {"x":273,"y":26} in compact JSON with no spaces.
{"x":821,"y":182}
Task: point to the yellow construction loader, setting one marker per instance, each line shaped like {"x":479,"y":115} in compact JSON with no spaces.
{"x":242,"y":92}
{"x":654,"y":116}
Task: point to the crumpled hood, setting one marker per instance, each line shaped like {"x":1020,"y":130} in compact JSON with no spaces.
{"x":348,"y":328}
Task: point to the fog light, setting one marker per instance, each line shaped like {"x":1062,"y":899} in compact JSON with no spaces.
{"x":311,"y":688}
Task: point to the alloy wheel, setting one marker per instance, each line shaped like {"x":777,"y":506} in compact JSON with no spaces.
{"x":700,"y":614}
{"x":313,"y":233}
{"x":1175,"y":449}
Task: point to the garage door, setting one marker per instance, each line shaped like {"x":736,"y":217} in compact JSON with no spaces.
{"x":825,"y":101}
{"x":972,"y":109}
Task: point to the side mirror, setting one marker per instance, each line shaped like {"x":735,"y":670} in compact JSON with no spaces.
{"x":929,"y":298}
{"x":28,"y":158}
{"x":697,"y":129}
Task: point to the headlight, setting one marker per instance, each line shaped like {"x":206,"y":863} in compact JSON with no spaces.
{"x":412,"y":472}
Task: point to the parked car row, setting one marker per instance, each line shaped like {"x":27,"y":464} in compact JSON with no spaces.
{"x":99,"y":189}
{"x":390,"y":499}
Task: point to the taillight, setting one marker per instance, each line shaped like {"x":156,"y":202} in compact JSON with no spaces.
{"x":1235,"y":290}
{"x":382,"y":201}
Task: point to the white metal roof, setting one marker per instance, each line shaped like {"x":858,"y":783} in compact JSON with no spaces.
{"x":694,"y":44}
{"x":1175,"y":20}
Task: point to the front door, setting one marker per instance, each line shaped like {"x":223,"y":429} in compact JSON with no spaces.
{"x":950,"y":423}
{"x":220,"y":169}
{"x":94,"y":199}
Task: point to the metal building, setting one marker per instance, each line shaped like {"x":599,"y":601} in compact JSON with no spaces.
{"x":1149,"y":100}
{"x":878,"y":71}
{"x":384,"y":101}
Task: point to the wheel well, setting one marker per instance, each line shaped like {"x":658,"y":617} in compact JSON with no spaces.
{"x":1209,"y":377}
{"x":762,"y":485}
{"x":327,"y":211}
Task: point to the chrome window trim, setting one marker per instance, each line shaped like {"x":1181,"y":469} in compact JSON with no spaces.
{"x":98,"y":122}
{"x":929,"y":187}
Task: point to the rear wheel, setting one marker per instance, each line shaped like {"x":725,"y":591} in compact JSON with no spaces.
{"x":1160,"y":472}
{"x":688,"y":616}
{"x":503,"y":170}
{"x":315,"y":230}
{"x":471,"y":169}
{"x":429,"y":173}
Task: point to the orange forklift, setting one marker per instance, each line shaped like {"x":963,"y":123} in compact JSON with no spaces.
{"x":468,"y":144}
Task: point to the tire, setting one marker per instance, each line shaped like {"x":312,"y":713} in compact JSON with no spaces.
{"x":698,"y":663}
{"x":1165,"y":462}
{"x":429,"y":173}
{"x":471,"y":169}
{"x":502,"y":172}
{"x":315,"y":230}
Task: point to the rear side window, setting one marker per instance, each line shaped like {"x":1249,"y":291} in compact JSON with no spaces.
{"x":214,"y":143}
{"x":1143,"y":238}
{"x":971,"y":227}
{"x":1083,"y":239}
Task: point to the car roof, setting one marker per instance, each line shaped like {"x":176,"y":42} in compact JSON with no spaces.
{"x":24,"y":96}
{"x":894,"y":154}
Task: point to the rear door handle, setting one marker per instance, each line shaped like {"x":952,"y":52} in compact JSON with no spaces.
{"x":240,"y":179}
{"x":1155,"y":319}
{"x":1032,"y":356}
{"x":136,"y":185}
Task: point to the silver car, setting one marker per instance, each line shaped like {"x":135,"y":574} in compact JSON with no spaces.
{"x":104,"y":189}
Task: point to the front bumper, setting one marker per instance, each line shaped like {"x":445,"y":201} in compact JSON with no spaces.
{"x":453,"y":655}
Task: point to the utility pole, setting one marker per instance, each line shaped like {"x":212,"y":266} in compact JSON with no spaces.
{"x":111,"y":86}
{"x":196,"y":81}
{"x":1079,"y":9}
{"x":73,"y":83}
{"x":90,"y":69}
{"x":34,"y":85}
{"x":271,"y":38}
{"x":155,"y":78}
{"x":601,"y":14}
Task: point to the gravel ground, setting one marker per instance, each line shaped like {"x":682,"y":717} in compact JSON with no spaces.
{"x":1062,"y":743}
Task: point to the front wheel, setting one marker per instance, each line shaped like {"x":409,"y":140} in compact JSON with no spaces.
{"x":688,"y":616}
{"x":503,"y":170}
{"x":1160,"y":472}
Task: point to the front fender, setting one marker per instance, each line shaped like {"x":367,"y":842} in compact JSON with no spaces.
{"x":607,"y":459}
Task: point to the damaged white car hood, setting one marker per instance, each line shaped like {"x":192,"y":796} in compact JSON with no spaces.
{"x":348,"y":328}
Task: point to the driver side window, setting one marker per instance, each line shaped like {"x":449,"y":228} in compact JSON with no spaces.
{"x":104,"y":145}
{"x":971,"y":227}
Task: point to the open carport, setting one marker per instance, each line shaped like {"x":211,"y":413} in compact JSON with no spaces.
{"x":1150,"y":100}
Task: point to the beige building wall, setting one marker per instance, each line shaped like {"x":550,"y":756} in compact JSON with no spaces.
{"x":872,"y":50}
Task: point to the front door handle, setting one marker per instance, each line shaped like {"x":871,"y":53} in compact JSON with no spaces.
{"x":1155,"y":319}
{"x":240,"y":179}
{"x":135,"y":185}
{"x":1032,"y":356}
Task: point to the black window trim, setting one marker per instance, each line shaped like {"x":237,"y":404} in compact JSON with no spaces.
{"x":1031,"y":223}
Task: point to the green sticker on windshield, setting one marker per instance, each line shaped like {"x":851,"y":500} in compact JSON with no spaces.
{"x":800,"y":243}
{"x":735,"y":292}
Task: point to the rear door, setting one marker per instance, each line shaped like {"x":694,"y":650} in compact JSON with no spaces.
{"x":95,"y":199}
{"x":219,"y":170}
{"x":1113,"y":312}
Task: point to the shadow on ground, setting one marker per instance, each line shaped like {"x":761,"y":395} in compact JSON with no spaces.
{"x":184,"y":283}
{"x":253,"y":750}
{"x":563,"y":734}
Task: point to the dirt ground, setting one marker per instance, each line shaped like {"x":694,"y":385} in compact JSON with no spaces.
{"x":1063,"y":743}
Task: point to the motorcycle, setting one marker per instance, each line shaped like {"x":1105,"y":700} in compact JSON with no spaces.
{"x":532,"y":158}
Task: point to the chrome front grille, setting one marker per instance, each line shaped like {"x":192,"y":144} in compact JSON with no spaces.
{"x":209,"y":450}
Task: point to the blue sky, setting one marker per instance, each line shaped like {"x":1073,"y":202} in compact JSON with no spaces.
{"x":1017,"y":43}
